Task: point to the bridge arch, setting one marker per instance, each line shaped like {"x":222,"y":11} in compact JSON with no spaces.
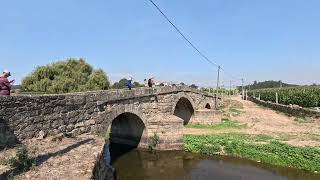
{"x":208,"y":106}
{"x":125,"y":126}
{"x":128,"y":129}
{"x":184,"y":108}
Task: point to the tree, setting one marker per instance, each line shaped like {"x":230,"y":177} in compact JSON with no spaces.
{"x":121,"y":84}
{"x":266,"y":84}
{"x":194,"y":86}
{"x":70,"y":75}
{"x":137,"y":85}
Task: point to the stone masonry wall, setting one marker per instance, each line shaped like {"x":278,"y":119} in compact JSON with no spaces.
{"x":101,"y":170}
{"x":293,"y":110}
{"x":32,"y":116}
{"x":206,"y":116}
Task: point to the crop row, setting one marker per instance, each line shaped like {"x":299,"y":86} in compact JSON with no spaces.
{"x":305,"y":96}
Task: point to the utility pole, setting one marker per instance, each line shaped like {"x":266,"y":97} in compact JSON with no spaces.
{"x":230,"y":87}
{"x":242,"y":89}
{"x":230,"y":90}
{"x":218,"y":79}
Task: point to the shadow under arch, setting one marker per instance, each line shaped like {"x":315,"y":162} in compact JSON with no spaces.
{"x":7,"y":137}
{"x":184,"y":110}
{"x":127,"y":132}
{"x":127,"y":128}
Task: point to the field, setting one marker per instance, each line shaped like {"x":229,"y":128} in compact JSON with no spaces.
{"x":260,"y":134}
{"x":304,"y":96}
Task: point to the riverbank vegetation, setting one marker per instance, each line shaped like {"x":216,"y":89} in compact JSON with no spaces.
{"x":260,"y":148}
{"x":225,"y":124}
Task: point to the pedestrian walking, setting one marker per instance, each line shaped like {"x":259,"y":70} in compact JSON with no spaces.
{"x":129,"y":83}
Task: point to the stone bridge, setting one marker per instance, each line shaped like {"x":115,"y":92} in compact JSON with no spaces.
{"x":132,"y":117}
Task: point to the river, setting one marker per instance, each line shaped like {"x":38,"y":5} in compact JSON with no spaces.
{"x":133,"y":164}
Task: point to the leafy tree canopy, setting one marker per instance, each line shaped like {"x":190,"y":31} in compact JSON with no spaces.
{"x":194,"y":86}
{"x":123,"y":83}
{"x":70,"y":75}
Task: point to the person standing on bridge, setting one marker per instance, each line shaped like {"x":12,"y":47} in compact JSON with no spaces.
{"x":5,"y":84}
{"x":150,"y":82}
{"x":129,"y":83}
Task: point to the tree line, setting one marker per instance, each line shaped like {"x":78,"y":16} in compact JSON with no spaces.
{"x":71,"y":75}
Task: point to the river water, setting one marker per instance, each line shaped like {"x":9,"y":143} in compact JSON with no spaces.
{"x":177,"y":165}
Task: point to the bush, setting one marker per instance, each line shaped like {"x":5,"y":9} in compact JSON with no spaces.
{"x":22,"y":162}
{"x":66,"y":76}
{"x":154,"y":141}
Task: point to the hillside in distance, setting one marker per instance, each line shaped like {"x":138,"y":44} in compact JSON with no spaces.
{"x":268,"y":84}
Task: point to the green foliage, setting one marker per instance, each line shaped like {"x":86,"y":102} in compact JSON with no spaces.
{"x":223,"y":91}
{"x":107,"y":136}
{"x":234,"y":111}
{"x":123,"y":83}
{"x":267,"y":84}
{"x":154,"y":141}
{"x":258,"y":148}
{"x":194,"y":86}
{"x":71,"y":75}
{"x":305,"y":96}
{"x":225,"y":124}
{"x":22,"y":162}
{"x":304,"y":120}
{"x":137,"y":85}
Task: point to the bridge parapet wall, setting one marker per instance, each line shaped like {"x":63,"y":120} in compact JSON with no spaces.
{"x":28,"y":116}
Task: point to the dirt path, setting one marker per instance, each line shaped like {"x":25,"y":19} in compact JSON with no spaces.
{"x":261,"y":120}
{"x":68,"y":158}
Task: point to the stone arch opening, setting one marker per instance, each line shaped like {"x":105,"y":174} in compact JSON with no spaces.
{"x":208,"y":106}
{"x":126,"y":132}
{"x":184,"y":110}
{"x":127,"y":129}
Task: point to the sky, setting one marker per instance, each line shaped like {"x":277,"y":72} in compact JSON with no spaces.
{"x":250,"y":39}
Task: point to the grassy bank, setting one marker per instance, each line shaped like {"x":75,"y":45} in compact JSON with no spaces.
{"x":225,"y":124}
{"x":261,"y":148}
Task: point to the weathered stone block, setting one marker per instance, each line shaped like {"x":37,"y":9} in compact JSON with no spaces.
{"x":79,"y":124}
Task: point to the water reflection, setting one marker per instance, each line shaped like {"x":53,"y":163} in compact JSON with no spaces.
{"x":131,"y":164}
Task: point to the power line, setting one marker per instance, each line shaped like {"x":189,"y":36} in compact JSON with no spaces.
{"x":192,"y":45}
{"x":184,"y":37}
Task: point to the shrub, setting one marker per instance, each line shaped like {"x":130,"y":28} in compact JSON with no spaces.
{"x":22,"y":162}
{"x":66,"y":76}
{"x":154,"y":141}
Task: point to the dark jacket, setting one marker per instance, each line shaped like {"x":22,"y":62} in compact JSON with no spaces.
{"x":5,"y":87}
{"x":150,"y":83}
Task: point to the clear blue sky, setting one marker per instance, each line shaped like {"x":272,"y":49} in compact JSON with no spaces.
{"x":260,"y":40}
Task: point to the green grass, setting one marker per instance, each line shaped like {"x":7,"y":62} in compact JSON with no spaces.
{"x":304,"y":120}
{"x":260,"y":148}
{"x":225,"y":124}
{"x":235,"y":111}
{"x":300,"y":136}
